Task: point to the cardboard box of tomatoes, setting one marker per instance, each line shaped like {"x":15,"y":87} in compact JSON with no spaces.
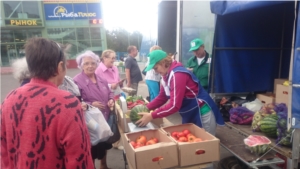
{"x":195,"y":145}
{"x":150,"y":149}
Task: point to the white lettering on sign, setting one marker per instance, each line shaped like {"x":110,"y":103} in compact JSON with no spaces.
{"x":61,"y":12}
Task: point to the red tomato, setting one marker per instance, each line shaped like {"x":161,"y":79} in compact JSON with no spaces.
{"x":175,"y":138}
{"x":133,"y":144}
{"x":197,"y":140}
{"x":180,"y":134}
{"x":174,"y":134}
{"x":186,"y":132}
{"x":189,"y":135}
{"x":141,"y":139}
{"x":191,"y":138}
{"x":182,"y":139}
{"x":138,"y":146}
{"x":154,"y":139}
{"x":150,"y":142}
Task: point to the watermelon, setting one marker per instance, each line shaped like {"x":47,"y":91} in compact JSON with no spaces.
{"x":134,"y":117}
{"x":268,"y":125}
{"x":256,"y":121}
{"x":284,"y":136}
{"x":257,"y":144}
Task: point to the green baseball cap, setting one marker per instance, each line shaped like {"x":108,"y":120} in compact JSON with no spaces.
{"x":195,"y":44}
{"x":155,"y":56}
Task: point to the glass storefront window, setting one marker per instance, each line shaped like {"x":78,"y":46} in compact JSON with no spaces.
{"x":97,"y":43}
{"x":20,"y":49}
{"x":22,"y":10}
{"x":7,"y":36}
{"x":54,"y":33}
{"x":4,"y":56}
{"x":95,"y":33}
{"x":11,"y":52}
{"x":73,"y":50}
{"x":68,"y":34}
{"x":12,"y":8}
{"x":83,"y":45}
{"x":31,"y":9}
{"x":34,"y":33}
{"x":83,"y":33}
{"x":20,"y":36}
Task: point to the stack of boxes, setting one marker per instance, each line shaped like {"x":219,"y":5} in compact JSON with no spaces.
{"x":279,"y":95}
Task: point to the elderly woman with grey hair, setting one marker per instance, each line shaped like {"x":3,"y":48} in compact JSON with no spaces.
{"x":20,"y":70}
{"x":94,"y":91}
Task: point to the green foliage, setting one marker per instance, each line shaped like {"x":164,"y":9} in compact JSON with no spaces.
{"x":119,"y":39}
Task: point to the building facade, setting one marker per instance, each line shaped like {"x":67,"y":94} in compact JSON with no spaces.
{"x":75,"y":22}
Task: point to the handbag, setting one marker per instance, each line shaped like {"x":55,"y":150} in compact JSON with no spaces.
{"x":144,"y":71}
{"x":98,"y":128}
{"x":113,"y":123}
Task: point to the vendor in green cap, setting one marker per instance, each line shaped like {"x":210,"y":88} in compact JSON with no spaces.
{"x":185,"y":95}
{"x":199,"y":63}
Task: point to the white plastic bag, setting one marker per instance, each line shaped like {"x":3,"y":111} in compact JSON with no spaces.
{"x":99,"y":129}
{"x":254,"y":105}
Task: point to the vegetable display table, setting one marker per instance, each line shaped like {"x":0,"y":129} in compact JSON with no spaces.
{"x":231,"y":138}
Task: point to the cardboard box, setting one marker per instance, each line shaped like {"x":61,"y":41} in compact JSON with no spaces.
{"x":282,"y":94}
{"x":123,"y":104}
{"x":146,"y":157}
{"x":199,"y":152}
{"x":266,"y":98}
{"x":278,"y":81}
{"x":123,"y":119}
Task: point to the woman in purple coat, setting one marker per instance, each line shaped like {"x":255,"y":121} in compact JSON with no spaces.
{"x":94,"y":91}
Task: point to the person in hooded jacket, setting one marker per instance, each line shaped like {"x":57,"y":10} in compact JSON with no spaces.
{"x":184,"y":92}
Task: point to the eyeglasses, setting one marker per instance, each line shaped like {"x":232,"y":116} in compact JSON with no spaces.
{"x":89,"y":63}
{"x":60,"y":53}
{"x":112,"y":58}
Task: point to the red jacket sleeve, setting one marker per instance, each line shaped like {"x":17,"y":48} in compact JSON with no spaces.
{"x":177,"y":93}
{"x":159,"y":100}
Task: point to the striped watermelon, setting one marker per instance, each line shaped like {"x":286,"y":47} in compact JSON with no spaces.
{"x":268,"y":125}
{"x":134,"y":117}
{"x":257,"y":144}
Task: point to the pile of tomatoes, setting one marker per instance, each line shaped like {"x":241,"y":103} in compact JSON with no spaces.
{"x":185,"y":136}
{"x":142,"y":141}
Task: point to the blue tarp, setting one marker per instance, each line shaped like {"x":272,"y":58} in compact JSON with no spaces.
{"x":249,"y":45}
{"x":226,"y":7}
{"x":252,"y":47}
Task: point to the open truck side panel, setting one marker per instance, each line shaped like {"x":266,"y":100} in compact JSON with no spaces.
{"x":256,"y":42}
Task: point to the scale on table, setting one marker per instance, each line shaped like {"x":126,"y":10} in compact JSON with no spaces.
{"x":133,"y":128}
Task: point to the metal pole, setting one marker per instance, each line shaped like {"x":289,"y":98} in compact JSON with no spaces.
{"x":295,"y":153}
{"x":212,"y":64}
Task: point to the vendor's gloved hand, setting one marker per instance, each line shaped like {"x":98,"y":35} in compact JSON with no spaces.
{"x":147,"y":117}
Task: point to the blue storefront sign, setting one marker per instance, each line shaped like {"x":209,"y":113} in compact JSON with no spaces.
{"x":71,"y":11}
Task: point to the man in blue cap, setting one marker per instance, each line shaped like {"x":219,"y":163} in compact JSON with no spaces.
{"x":199,"y":63}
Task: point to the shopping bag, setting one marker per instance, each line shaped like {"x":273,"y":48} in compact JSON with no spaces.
{"x":98,"y":128}
{"x":144,"y":71}
{"x":113,"y":123}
